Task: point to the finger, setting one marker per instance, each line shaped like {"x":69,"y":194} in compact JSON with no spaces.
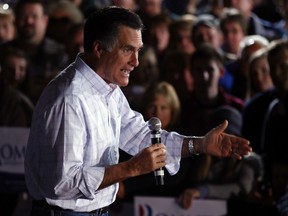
{"x":220,"y":128}
{"x":184,"y":202}
{"x":243,"y":151}
{"x":236,"y":156}
{"x":181,"y":200}
{"x":158,"y":146}
{"x":241,"y":146}
{"x":237,"y":153}
{"x":239,"y":141}
{"x":160,"y":152}
{"x":161,"y":161}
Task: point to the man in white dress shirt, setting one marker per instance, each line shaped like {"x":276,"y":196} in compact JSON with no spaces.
{"x":83,"y":118}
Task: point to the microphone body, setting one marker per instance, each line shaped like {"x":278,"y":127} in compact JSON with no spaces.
{"x":155,"y":127}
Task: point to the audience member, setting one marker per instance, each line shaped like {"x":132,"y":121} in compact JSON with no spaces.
{"x":206,"y":30}
{"x":233,"y":27}
{"x":253,"y":119}
{"x":265,"y":119}
{"x":15,"y":111}
{"x":215,"y":8}
{"x":281,"y":27}
{"x":63,"y":15}
{"x":206,"y":66}
{"x":7,"y":24}
{"x":255,"y":25}
{"x":239,"y":68}
{"x":75,"y":42}
{"x":46,"y":56}
{"x":157,"y":36}
{"x":177,"y":72}
{"x":275,"y":120}
{"x":218,"y":178}
{"x":259,"y":78}
{"x":161,"y":101}
{"x":14,"y":68}
{"x":180,"y":35}
{"x":148,"y":9}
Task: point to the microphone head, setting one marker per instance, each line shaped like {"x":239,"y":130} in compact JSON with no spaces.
{"x":154,"y":124}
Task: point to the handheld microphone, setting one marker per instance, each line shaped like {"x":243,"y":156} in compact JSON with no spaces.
{"x":154,"y":125}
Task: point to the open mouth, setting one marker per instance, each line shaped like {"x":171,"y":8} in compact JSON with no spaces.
{"x":125,"y":73}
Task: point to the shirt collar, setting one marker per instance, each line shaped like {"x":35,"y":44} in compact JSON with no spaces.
{"x":96,"y":81}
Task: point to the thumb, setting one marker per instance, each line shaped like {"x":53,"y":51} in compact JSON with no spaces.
{"x":220,"y":128}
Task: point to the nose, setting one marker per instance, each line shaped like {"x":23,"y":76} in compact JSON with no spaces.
{"x":206,"y":75}
{"x":28,"y":19}
{"x":157,"y":112}
{"x":134,"y":59}
{"x":18,"y":73}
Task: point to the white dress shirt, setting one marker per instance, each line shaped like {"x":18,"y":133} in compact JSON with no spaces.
{"x":79,"y":123}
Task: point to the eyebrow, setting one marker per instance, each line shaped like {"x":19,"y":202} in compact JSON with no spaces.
{"x":132,"y":47}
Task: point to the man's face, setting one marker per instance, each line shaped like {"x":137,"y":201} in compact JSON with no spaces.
{"x":206,"y":74}
{"x":14,"y":70}
{"x":116,"y":65}
{"x":184,"y":41}
{"x":233,"y":34}
{"x":32,"y":22}
{"x":206,"y":34}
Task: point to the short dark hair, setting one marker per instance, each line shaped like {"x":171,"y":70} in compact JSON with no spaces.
{"x":235,"y":18}
{"x":103,"y":25}
{"x":21,"y":3}
{"x":206,"y":51}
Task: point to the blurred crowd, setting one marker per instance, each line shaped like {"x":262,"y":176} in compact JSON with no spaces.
{"x":202,"y":62}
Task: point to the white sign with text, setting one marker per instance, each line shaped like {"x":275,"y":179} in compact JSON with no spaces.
{"x":167,"y":206}
{"x":12,"y":149}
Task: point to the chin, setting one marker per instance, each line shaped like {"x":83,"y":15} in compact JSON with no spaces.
{"x":123,"y":84}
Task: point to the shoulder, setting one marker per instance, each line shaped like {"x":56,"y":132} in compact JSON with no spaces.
{"x":232,"y":100}
{"x":260,"y":100}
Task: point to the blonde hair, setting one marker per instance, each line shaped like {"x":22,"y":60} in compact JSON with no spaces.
{"x":169,"y":92}
{"x":7,"y":13}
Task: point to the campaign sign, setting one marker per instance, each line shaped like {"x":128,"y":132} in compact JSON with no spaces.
{"x":13,"y":142}
{"x":168,"y":206}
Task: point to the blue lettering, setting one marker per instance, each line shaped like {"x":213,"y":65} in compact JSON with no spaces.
{"x":11,"y":153}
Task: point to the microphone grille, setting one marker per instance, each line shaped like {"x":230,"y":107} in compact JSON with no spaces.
{"x":154,"y":124}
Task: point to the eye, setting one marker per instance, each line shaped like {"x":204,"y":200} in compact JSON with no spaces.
{"x":127,"y":50}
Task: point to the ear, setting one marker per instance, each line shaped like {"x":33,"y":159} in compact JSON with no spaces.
{"x":45,"y":20}
{"x":97,"y":48}
{"x":222,"y":71}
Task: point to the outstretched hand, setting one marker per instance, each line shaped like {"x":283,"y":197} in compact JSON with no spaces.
{"x":218,"y":143}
